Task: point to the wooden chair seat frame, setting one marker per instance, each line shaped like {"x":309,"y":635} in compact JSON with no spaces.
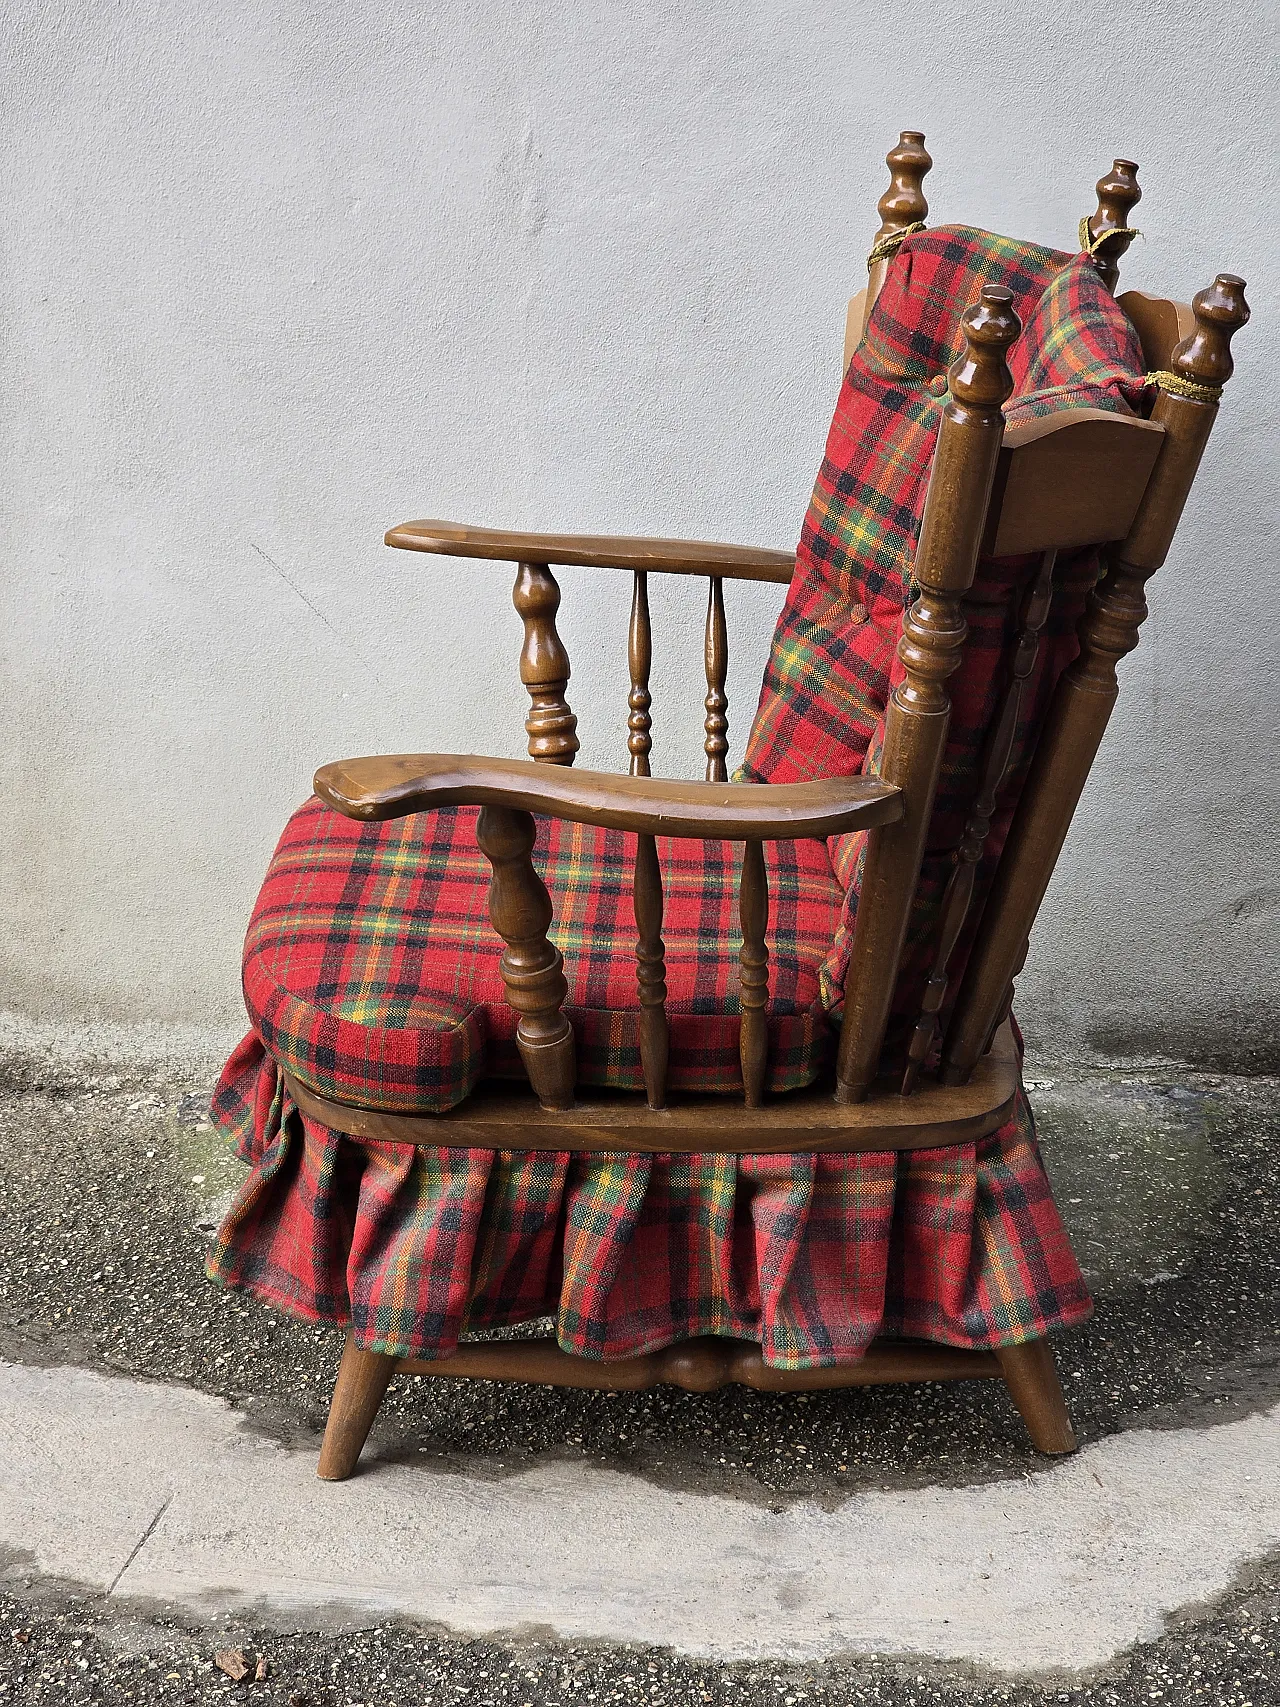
{"x":1081,"y":477}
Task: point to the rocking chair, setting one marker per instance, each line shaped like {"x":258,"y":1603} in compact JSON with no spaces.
{"x":928,"y":862}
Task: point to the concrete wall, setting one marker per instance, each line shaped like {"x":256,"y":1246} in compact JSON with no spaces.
{"x":280,"y":275}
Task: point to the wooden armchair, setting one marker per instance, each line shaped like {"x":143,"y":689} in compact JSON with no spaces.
{"x":1067,"y":479}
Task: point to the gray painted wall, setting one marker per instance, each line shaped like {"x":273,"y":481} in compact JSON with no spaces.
{"x":278,"y":276}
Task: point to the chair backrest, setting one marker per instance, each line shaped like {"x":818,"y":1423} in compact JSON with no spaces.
{"x":1072,"y":478}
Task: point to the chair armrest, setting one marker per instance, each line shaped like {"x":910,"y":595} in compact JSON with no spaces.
{"x":669,"y":556}
{"x":375,"y":789}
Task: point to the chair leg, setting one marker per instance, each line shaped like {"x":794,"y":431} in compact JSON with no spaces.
{"x":362,"y":1381}
{"x":1031,"y":1376}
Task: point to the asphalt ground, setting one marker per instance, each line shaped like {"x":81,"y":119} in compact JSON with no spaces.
{"x":109,"y":1181}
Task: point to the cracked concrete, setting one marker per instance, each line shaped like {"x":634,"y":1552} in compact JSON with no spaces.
{"x":526,"y":1544}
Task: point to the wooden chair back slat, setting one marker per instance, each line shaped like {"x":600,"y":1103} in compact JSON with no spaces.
{"x":958,"y":896}
{"x":753,"y":968}
{"x":544,"y":667}
{"x":1069,"y":479}
{"x":715,"y":651}
{"x":955,"y":511}
{"x":1087,"y":692}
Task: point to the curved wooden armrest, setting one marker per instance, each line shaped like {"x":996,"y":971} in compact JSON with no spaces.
{"x":592,"y":551}
{"x":379,"y":788}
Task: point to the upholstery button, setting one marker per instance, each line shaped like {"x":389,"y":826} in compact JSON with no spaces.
{"x":938,"y":385}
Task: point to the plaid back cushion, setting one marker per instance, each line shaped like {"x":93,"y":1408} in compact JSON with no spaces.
{"x":833,"y":662}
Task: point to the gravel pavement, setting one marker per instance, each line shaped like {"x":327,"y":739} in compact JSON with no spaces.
{"x":111,"y":1180}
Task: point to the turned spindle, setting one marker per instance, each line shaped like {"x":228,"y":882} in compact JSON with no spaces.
{"x":901,"y":206}
{"x":651,"y":972}
{"x":1186,"y":407}
{"x":544,"y":667}
{"x":1108,"y":228}
{"x":753,"y":972}
{"x":958,"y":897}
{"x":715,"y":651}
{"x":532,"y":967}
{"x":964,"y":466}
{"x":639,"y":661}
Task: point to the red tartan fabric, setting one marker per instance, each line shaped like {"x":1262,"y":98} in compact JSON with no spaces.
{"x":812,"y":1256}
{"x":371,"y":968}
{"x":834,"y":658}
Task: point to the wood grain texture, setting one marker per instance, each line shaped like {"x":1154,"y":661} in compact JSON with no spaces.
{"x":651,"y":971}
{"x":596,"y":551}
{"x":1031,"y":1375}
{"x":934,"y":630}
{"x":855,"y":316}
{"x":702,"y":1365}
{"x":1069,"y":479}
{"x":532,"y":967}
{"x":362,"y":1381}
{"x":504,"y":1117}
{"x":753,"y":973}
{"x":1087,"y":692}
{"x":639,"y":663}
{"x":544,"y":667}
{"x":376,"y":789}
{"x":715,"y":657}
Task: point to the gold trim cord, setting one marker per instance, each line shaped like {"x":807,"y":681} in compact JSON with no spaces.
{"x":1091,"y":244}
{"x":886,"y":247}
{"x":1177,"y":385}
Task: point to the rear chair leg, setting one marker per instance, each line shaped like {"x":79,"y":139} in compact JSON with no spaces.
{"x":362,"y":1381}
{"x":1031,"y":1376}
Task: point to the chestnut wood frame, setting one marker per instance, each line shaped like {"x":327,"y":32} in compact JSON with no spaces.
{"x":1076,"y":478}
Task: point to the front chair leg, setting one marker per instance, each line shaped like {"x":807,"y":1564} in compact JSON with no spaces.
{"x":1031,"y":1376}
{"x":362,"y":1381}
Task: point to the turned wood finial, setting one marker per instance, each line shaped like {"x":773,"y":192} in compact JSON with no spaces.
{"x":544,"y":667}
{"x":980,"y":380}
{"x":1118,"y":195}
{"x":1220,"y":311}
{"x":903,"y":203}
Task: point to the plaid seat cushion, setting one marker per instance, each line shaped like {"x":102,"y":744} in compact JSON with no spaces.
{"x":833,"y":662}
{"x":371,"y":968}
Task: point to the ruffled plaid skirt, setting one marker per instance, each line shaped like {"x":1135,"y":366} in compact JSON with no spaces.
{"x":812,"y":1256}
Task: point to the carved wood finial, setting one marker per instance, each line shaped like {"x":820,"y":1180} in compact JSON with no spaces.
{"x":903,"y":203}
{"x":979,"y":380}
{"x":1118,"y":194}
{"x":544,"y":667}
{"x":1220,"y":311}
{"x":532,"y":967}
{"x":715,"y":651}
{"x":640,"y":662}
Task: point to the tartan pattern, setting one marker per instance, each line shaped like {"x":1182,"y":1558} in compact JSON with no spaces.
{"x":371,"y":969}
{"x":833,"y":662}
{"x":812,"y":1256}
